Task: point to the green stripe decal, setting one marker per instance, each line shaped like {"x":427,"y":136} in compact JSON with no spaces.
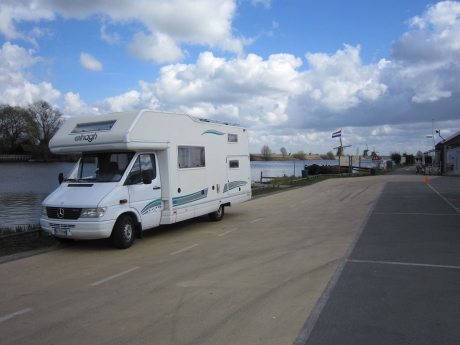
{"x":213,"y":132}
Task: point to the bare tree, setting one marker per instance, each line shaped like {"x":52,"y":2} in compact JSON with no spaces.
{"x":266,"y":152}
{"x":13,"y":126}
{"x":43,"y":121}
{"x":283,"y":151}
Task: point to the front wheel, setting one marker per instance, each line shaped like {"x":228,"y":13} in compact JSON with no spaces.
{"x":123,"y":232}
{"x":217,"y":215}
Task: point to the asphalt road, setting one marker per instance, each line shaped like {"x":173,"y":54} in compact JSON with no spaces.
{"x":275,"y":270}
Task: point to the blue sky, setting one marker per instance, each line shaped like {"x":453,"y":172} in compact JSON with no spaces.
{"x":291,"y":71}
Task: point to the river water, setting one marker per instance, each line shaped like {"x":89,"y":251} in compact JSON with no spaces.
{"x":23,"y":186}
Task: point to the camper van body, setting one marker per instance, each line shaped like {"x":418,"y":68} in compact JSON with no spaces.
{"x":166,"y":167}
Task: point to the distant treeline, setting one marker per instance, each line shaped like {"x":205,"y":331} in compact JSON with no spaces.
{"x":28,"y":130}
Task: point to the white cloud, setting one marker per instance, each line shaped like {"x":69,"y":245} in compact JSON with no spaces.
{"x":73,"y":105}
{"x":90,"y":63}
{"x":15,"y":89}
{"x":264,"y":3}
{"x":110,"y":38}
{"x":12,"y":12}
{"x":426,"y":58}
{"x":168,"y":23}
{"x":158,"y":47}
{"x":341,"y":81}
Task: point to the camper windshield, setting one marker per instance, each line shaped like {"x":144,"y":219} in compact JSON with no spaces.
{"x":100,"y":167}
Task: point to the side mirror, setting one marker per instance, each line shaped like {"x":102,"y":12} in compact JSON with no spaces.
{"x":147,"y":176}
{"x":60,"y":178}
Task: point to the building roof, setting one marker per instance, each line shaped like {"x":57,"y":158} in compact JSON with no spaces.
{"x":452,"y":141}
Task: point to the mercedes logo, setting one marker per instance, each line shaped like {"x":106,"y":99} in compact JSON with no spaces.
{"x":60,"y":213}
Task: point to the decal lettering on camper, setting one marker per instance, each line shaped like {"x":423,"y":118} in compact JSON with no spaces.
{"x":89,"y":137}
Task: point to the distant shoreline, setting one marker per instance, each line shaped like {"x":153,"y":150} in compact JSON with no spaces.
{"x":276,"y":157}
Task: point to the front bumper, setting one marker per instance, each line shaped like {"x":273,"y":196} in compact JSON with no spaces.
{"x":77,"y":230}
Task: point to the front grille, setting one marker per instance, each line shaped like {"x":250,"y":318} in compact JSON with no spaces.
{"x":63,"y":213}
{"x":61,"y":226}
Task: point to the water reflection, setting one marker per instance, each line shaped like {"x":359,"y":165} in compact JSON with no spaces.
{"x":20,"y":208}
{"x":23,"y":187}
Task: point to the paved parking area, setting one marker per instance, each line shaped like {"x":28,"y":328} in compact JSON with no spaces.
{"x":400,"y":281}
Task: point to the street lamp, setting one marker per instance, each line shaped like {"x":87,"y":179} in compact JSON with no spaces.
{"x":439,"y":133}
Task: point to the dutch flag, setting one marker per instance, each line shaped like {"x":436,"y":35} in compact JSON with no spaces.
{"x":337,"y":134}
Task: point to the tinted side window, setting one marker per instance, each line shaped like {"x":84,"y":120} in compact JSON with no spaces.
{"x":143,"y":163}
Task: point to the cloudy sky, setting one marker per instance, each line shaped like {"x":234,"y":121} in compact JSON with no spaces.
{"x":386,"y":72}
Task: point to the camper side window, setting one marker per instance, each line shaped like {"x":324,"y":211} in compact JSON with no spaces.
{"x":233,"y":164}
{"x":143,"y":163}
{"x":232,"y":138}
{"x":191,"y":157}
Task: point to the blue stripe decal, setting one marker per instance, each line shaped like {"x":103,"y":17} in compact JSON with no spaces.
{"x":212,"y":132}
{"x":187,"y":199}
{"x":233,"y":185}
{"x":152,"y":206}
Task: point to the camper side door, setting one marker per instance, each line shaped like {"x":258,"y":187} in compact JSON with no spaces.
{"x":238,"y":172}
{"x":144,"y":188}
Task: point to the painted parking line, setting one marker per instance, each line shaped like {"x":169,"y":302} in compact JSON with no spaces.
{"x":419,"y":214}
{"x":7,"y":317}
{"x":114,"y":276}
{"x":256,"y":220}
{"x":443,"y":198}
{"x":227,"y":232}
{"x":293,"y":205}
{"x":183,"y":250}
{"x":402,"y":264}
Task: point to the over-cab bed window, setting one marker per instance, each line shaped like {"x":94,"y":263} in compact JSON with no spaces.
{"x":191,"y":157}
{"x":94,"y":126}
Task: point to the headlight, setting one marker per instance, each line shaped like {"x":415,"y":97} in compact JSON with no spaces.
{"x":44,"y":211}
{"x":93,"y":212}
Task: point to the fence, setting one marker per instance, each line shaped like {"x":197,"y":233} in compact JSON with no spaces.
{"x":15,"y":157}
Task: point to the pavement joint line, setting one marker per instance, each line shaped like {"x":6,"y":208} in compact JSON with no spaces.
{"x":293,"y":205}
{"x":227,"y":232}
{"x":402,"y":263}
{"x":114,"y":276}
{"x":10,"y":316}
{"x":448,"y":202}
{"x":184,"y":249}
{"x":308,"y":326}
{"x":256,"y":220}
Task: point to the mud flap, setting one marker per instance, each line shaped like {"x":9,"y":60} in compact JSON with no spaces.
{"x":139,"y":231}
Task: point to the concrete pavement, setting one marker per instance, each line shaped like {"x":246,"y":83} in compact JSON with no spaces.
{"x":400,"y":283}
{"x":273,"y":271}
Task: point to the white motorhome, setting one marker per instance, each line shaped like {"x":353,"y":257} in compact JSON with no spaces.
{"x":144,"y":168}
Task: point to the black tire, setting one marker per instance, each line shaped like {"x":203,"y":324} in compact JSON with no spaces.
{"x":123,"y":232}
{"x":64,"y":240}
{"x":217,"y":215}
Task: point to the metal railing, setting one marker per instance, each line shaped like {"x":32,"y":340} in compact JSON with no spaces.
{"x":15,"y":157}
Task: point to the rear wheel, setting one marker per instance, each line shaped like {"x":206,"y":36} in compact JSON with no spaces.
{"x":217,"y":215}
{"x":123,"y":232}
